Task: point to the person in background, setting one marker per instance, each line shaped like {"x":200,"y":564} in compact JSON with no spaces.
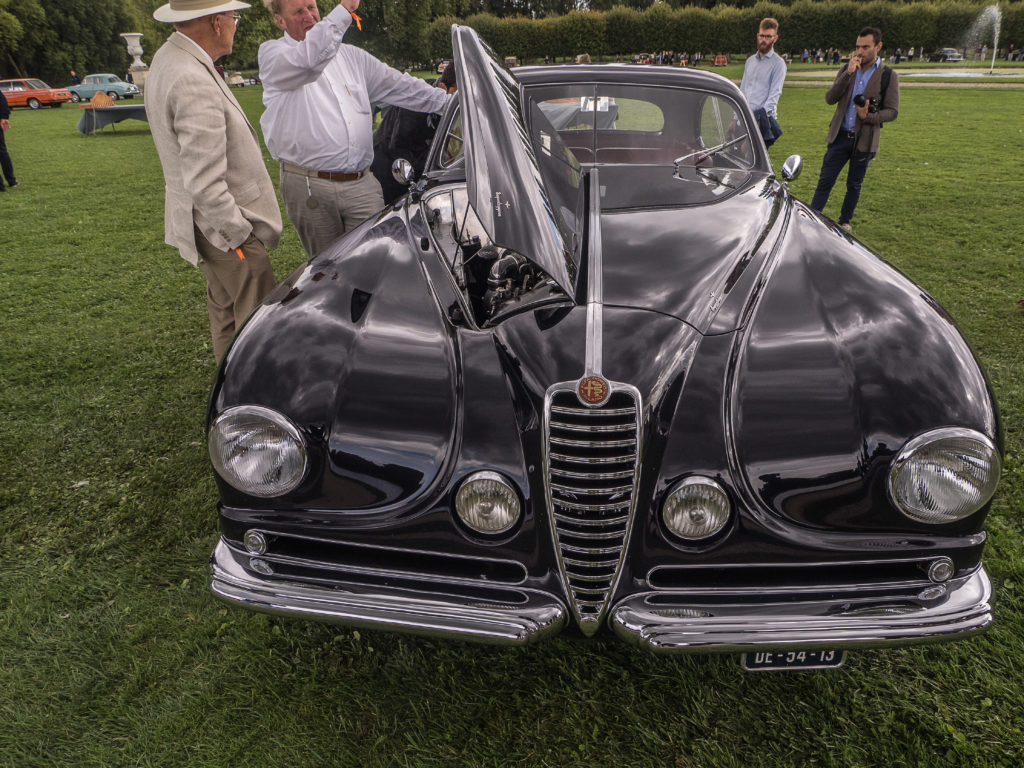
{"x":220,"y":212}
{"x":318,"y":122}
{"x":854,"y":133}
{"x":763,"y":75}
{"x":6,"y":167}
{"x":403,"y":133}
{"x":75,"y":79}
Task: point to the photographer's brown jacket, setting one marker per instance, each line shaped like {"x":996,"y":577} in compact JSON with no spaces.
{"x":869,"y":129}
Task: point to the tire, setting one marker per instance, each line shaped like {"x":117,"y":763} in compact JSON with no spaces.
{"x":113,"y":95}
{"x":33,"y":104}
{"x":75,"y":98}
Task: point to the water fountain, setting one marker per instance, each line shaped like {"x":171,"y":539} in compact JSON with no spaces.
{"x":989,"y":19}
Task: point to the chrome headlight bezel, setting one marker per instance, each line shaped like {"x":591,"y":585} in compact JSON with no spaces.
{"x":476,"y":518}
{"x":231,"y":438}
{"x":933,"y":457}
{"x":688,"y":491}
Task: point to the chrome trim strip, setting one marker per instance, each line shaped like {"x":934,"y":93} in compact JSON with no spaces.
{"x":603,"y":412}
{"x":391,"y":609}
{"x":591,"y":475}
{"x":597,"y":535}
{"x":594,"y":460}
{"x":589,"y":428}
{"x":592,"y":491}
{"x":604,"y":522}
{"x":595,"y":507}
{"x":840,"y":622}
{"x":590,"y":443}
{"x":276,"y":557}
{"x":595,"y":282}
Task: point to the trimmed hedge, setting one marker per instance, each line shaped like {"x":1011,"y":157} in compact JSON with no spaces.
{"x":728,"y":28}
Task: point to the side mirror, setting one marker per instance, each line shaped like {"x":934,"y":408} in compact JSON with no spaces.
{"x":403,"y":172}
{"x":792,"y":167}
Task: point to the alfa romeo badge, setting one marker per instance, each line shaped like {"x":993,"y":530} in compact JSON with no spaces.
{"x":592,"y":390}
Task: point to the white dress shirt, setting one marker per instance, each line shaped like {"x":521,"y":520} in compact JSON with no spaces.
{"x":318,"y":94}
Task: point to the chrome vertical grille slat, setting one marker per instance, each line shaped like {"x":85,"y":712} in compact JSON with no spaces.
{"x":591,"y":511}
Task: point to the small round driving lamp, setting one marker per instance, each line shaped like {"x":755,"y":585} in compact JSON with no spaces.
{"x":487,"y":503}
{"x":696,"y":508}
{"x":257,"y":450}
{"x":944,"y":475}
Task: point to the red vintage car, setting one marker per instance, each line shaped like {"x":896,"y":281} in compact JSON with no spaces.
{"x":33,"y":93}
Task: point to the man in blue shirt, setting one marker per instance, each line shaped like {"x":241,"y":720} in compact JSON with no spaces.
{"x":854,"y":133}
{"x":763,"y":75}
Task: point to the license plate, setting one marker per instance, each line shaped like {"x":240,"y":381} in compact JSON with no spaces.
{"x":776,"y":660}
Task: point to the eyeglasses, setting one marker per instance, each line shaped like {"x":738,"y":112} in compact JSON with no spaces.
{"x":767,"y":37}
{"x":236,"y":16}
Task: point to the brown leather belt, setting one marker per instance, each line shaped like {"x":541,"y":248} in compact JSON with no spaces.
{"x":329,"y":175}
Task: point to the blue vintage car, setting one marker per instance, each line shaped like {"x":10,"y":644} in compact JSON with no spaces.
{"x":112,"y":85}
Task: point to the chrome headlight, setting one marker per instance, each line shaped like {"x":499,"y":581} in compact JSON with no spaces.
{"x":696,"y":508}
{"x":487,"y":503}
{"x":944,"y":475}
{"x":257,"y":450}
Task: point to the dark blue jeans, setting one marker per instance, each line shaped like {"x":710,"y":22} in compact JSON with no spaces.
{"x":839,"y":153}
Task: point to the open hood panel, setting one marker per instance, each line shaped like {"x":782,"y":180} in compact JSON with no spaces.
{"x":503,"y":174}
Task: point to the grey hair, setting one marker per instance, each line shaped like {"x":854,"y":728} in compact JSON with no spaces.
{"x":274,"y":6}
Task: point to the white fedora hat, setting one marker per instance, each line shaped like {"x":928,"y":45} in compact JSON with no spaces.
{"x":186,"y":10}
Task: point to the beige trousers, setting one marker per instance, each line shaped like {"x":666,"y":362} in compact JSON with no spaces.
{"x":234,"y":286}
{"x":338,"y":206}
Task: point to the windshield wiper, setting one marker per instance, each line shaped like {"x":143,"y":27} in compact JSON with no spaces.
{"x":704,"y":154}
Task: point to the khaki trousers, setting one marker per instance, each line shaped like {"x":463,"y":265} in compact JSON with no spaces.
{"x":234,"y":286}
{"x":339,"y":206}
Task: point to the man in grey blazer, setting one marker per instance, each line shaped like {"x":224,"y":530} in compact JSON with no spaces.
{"x":220,"y":210}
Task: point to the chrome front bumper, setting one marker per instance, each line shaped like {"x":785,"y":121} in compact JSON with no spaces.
{"x":962,"y":608}
{"x":533,"y":616}
{"x":662,"y":621}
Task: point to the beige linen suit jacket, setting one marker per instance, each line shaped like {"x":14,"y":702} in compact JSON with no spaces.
{"x":214,"y":175}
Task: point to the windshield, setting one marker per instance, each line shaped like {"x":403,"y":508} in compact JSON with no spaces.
{"x":698,"y":139}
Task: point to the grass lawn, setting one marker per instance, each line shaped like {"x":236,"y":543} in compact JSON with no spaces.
{"x":113,"y":652}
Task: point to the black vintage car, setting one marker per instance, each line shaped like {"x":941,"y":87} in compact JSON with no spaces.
{"x":599,"y":371}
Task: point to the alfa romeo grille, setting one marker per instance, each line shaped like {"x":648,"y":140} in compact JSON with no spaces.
{"x":592,"y":461}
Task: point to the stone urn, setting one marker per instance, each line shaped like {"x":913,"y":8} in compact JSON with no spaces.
{"x":138,"y":69}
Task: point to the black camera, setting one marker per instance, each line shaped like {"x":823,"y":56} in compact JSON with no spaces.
{"x":860,"y":101}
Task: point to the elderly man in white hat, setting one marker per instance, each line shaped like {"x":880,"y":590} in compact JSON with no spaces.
{"x":221,"y":212}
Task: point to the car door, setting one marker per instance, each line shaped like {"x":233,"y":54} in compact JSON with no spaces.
{"x":16,"y":93}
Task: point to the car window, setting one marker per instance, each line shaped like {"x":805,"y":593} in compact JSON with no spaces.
{"x":453,"y":149}
{"x":37,"y":84}
{"x":611,"y":124}
{"x":721,"y":125}
{"x":6,"y":86}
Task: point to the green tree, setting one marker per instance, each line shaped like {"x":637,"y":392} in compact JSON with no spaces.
{"x":19,"y":21}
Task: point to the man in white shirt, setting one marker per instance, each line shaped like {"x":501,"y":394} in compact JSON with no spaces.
{"x":763,"y":75}
{"x":319,"y":120}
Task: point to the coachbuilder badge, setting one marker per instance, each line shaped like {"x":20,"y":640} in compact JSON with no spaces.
{"x":592,"y":390}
